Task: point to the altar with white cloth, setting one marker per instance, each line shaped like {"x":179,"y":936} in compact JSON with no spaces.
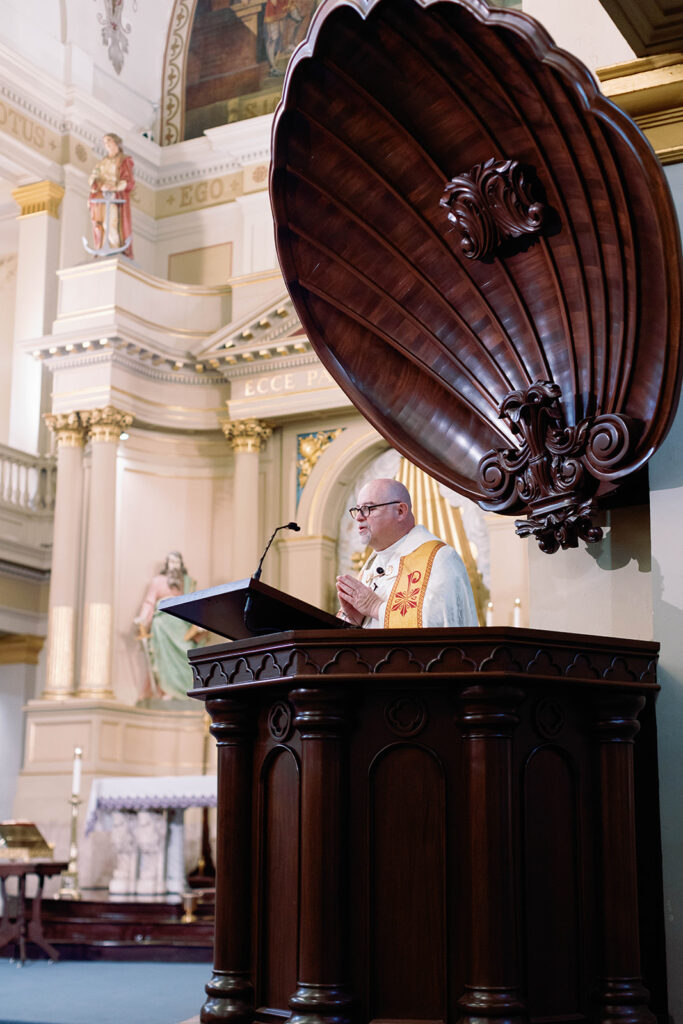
{"x":145,"y":818}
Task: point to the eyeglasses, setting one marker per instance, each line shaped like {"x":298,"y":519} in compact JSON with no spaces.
{"x":365,"y":510}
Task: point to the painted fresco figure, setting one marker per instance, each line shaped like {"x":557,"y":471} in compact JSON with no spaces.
{"x":165,"y":638}
{"x":275,"y":29}
{"x":111,"y":222}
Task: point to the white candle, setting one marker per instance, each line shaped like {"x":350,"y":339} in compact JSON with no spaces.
{"x":517,"y":612}
{"x":76,"y":777}
{"x":489,"y":613}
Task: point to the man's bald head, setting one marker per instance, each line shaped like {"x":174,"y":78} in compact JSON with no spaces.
{"x":392,"y":517}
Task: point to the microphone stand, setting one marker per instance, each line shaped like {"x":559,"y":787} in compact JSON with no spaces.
{"x":257,"y":576}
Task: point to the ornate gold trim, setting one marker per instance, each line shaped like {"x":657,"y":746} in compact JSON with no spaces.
{"x":246,"y":435}
{"x":309,"y":449}
{"x":68,"y":428}
{"x":650,"y":91}
{"x":40,"y":197}
{"x":106,"y":424}
{"x":20,"y":649}
{"x":172,"y":114}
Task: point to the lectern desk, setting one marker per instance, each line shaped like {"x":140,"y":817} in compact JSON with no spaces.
{"x":433,"y":825}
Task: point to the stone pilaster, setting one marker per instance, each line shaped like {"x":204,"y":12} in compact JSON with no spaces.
{"x":248,"y":438}
{"x":105,"y":427}
{"x":35,"y":308}
{"x":69,"y":430}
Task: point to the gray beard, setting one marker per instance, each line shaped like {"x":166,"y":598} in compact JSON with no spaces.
{"x":175,"y":579}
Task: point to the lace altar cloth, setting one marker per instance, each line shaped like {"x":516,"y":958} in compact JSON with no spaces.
{"x":135,"y":793}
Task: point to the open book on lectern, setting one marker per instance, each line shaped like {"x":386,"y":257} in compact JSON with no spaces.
{"x":247,"y":608}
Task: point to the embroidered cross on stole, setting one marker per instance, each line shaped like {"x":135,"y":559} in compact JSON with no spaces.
{"x":404,"y":607}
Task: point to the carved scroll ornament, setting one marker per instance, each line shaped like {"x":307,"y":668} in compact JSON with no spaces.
{"x":491,"y":203}
{"x":556,"y":470}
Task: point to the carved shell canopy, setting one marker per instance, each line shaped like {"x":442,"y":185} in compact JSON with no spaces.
{"x":460,"y":216}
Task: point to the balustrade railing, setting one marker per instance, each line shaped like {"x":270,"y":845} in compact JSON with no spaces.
{"x":27,"y":482}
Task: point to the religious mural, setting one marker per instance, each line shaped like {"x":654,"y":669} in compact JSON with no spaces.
{"x":237,"y":58}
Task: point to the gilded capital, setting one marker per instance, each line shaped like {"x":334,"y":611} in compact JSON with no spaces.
{"x":106,"y":424}
{"x":247,"y":435}
{"x":68,"y":427}
{"x":41,"y":197}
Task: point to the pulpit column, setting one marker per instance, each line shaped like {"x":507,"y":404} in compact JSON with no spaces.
{"x":247,"y":438}
{"x":231,"y":989}
{"x":105,"y":427}
{"x":488,"y":717}
{"x":322,"y":995}
{"x":69,"y":430}
{"x":622,"y":997}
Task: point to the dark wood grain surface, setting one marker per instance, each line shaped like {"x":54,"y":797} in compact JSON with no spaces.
{"x":388,"y":101}
{"x":435,"y":825}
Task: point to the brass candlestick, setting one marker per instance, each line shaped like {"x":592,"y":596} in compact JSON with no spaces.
{"x":69,"y":889}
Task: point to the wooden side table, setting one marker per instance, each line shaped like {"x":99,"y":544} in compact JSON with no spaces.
{"x":22,"y":929}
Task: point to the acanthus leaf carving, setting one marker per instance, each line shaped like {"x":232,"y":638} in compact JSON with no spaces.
{"x":491,"y":203}
{"x":555,"y":472}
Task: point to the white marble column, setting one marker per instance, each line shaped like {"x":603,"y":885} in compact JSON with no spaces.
{"x":35,"y":309}
{"x":247,"y":438}
{"x":69,"y":430}
{"x":105,"y":427}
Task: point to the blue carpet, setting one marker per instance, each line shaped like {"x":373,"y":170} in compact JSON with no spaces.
{"x":71,"y":992}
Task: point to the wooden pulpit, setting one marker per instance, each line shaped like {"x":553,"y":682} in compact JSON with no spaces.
{"x":454,"y":825}
{"x":433,"y":825}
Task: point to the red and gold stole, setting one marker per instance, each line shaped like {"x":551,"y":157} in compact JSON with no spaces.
{"x":404,"y":607}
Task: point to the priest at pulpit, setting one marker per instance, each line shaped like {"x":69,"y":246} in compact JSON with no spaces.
{"x":412,"y":578}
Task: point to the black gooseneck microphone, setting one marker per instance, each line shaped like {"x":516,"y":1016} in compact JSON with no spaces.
{"x":257,"y":576}
{"x":285,"y":526}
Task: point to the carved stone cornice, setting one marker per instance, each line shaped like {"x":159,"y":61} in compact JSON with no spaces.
{"x":40,"y":197}
{"x":20,"y":649}
{"x":247,"y":435}
{"x":650,"y":90}
{"x":69,"y":428}
{"x":106,"y":424}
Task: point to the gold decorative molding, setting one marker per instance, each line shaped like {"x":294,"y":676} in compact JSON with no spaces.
{"x":247,"y":435}
{"x":68,"y":428}
{"x":106,"y":424}
{"x":20,"y":649}
{"x":649,"y":26}
{"x":650,"y":90}
{"x":41,"y":197}
{"x":171,"y":127}
{"x":309,"y":449}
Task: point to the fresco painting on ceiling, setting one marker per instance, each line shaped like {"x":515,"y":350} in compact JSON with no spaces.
{"x":237,"y":58}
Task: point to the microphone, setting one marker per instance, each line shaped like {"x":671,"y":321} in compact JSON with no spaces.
{"x":379,"y":570}
{"x":257,"y":574}
{"x":285,"y":526}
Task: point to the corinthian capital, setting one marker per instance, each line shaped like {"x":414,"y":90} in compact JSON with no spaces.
{"x":68,"y":427}
{"x":247,"y":435}
{"x":106,"y":424}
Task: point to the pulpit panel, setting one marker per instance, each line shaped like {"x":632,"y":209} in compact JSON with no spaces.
{"x":552,"y":883}
{"x":278,"y":877}
{"x":407,"y":884}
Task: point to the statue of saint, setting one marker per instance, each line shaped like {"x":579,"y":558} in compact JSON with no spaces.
{"x":111,"y":184}
{"x":165,"y":638}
